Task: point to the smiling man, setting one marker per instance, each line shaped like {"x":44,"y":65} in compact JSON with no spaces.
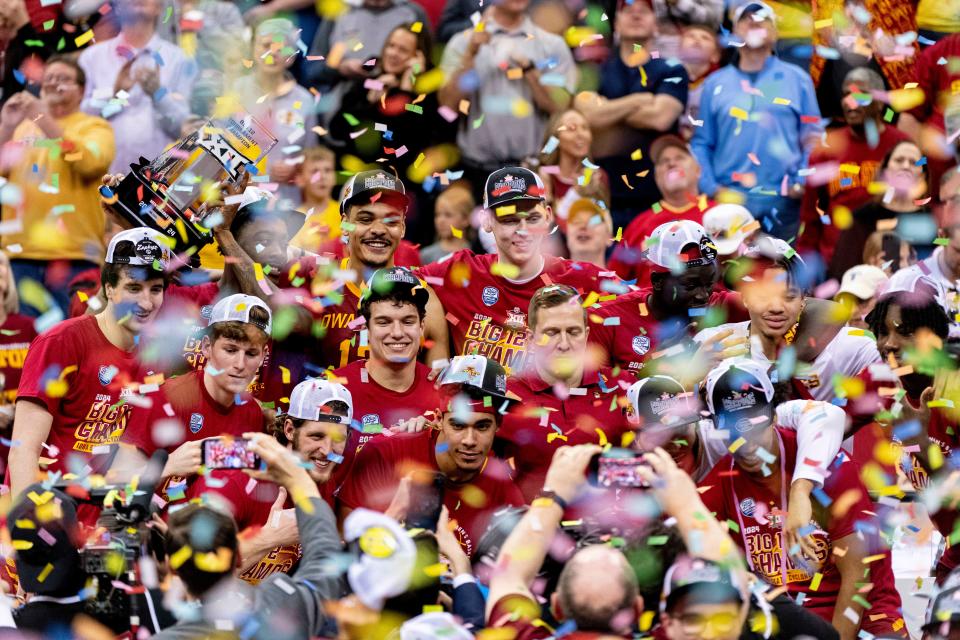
{"x":78,"y":374}
{"x":457,"y":454}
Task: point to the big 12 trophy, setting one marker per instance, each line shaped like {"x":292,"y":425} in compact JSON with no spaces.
{"x":167,"y":194}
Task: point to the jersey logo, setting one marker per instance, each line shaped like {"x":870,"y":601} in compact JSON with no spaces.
{"x":641,"y":344}
{"x":206,"y":311}
{"x":370,"y":419}
{"x":106,"y":373}
{"x":196,"y":422}
{"x":490,"y":296}
{"x":516,"y":319}
{"x":748,"y":507}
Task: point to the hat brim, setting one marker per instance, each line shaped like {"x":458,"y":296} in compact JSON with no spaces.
{"x":727,"y":246}
{"x":854,"y":290}
{"x":520,"y":198}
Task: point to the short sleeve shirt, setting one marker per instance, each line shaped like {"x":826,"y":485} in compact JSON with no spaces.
{"x":16,"y":334}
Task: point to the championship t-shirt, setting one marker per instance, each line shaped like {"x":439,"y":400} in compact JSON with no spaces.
{"x":16,"y":334}
{"x":757,"y":509}
{"x":546,"y":420}
{"x":376,"y":408}
{"x":383,"y":462}
{"x":487,"y":313}
{"x":83,"y":381}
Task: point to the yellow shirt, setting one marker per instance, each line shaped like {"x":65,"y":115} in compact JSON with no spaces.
{"x":319,"y":228}
{"x":939,"y":15}
{"x":793,"y":22}
{"x":59,"y":179}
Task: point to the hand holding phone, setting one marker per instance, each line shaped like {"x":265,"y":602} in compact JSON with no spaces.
{"x":617,"y":468}
{"x":226,"y":452}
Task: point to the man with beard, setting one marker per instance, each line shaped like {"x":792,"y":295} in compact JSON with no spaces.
{"x":315,"y":427}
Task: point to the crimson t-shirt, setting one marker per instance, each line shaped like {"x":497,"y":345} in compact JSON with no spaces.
{"x":486,"y":313}
{"x":82,"y":380}
{"x":383,"y":462}
{"x":16,"y":334}
{"x":758,"y":512}
{"x":376,"y":408}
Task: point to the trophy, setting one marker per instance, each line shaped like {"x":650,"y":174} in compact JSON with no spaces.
{"x":167,"y":194}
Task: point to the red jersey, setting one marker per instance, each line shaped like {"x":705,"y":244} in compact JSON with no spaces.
{"x":543,"y":422}
{"x":758,"y":509}
{"x":384,"y":461}
{"x":627,"y":260}
{"x":628,"y":334}
{"x":376,"y":408}
{"x":344,"y":331}
{"x":486,"y":313}
{"x":856,"y":165}
{"x":83,"y":381}
{"x":16,"y":334}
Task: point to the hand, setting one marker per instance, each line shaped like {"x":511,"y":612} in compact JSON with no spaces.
{"x":283,"y":467}
{"x":18,"y":108}
{"x":400,"y":504}
{"x":184,"y":461}
{"x":477,"y":40}
{"x":712,"y":352}
{"x":946,"y":386}
{"x":568,"y":471}
{"x":281,"y":526}
{"x":191,"y":124}
{"x":521,"y":62}
{"x":416,"y":425}
{"x":6,"y":417}
{"x":672,"y":487}
{"x":228,"y":212}
{"x":449,"y":546}
{"x":799,"y":515}
{"x":125,"y":80}
{"x":417,"y":62}
{"x":352,"y":68}
{"x":920,"y":413}
{"x":149,"y":79}
{"x":156,"y":522}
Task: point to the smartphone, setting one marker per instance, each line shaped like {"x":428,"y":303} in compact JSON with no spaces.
{"x":426,"y":501}
{"x":228,"y":453}
{"x":617,"y":468}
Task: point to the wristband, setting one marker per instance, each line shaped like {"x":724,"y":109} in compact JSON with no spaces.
{"x":551,"y":496}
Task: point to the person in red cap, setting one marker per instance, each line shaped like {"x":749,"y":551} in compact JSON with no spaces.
{"x":486,"y":296}
{"x":676,"y":172}
{"x":564,"y":399}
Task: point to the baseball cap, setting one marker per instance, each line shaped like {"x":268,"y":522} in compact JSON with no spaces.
{"x":387,"y":557}
{"x":729,"y":225}
{"x":661,"y":400}
{"x":237,"y":308}
{"x":394,"y":280}
{"x":664,"y":142}
{"x":679,"y":243}
{"x":363,"y":186}
{"x":432,"y":625}
{"x":757,"y":10}
{"x":709,"y":581}
{"x":622,"y":3}
{"x":44,"y":530}
{"x":864,"y":281}
{"x":139,"y":247}
{"x":478,"y":376}
{"x":588,"y":207}
{"x":913,"y":280}
{"x":309,"y":396}
{"x":739,"y":393}
{"x":512,"y":184}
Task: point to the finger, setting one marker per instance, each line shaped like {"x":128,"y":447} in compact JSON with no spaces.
{"x":280,"y":501}
{"x":719,"y":336}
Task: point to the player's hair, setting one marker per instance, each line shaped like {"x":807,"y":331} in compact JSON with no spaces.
{"x":549,"y":297}
{"x":11,"y":300}
{"x":221,"y":534}
{"x":336,"y":407}
{"x":111,"y":273}
{"x":398,"y":296}
{"x":242,"y":331}
{"x":917,"y":311}
{"x":71,"y":62}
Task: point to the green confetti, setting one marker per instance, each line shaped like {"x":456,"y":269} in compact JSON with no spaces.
{"x":888,"y":115}
{"x":351,"y":120}
{"x":166,"y":17}
{"x":33,"y":43}
{"x":656,"y":207}
{"x":479,"y":121}
{"x":48,"y":24}
{"x":860,"y":600}
{"x":941,"y":241}
{"x":415,"y":108}
{"x":733,"y":526}
{"x":657,"y":541}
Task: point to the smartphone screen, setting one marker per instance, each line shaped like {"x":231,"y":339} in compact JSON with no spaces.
{"x":228,"y":453}
{"x":620,"y":472}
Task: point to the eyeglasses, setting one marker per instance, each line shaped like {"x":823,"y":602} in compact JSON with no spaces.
{"x":59,"y":80}
{"x":720,"y":623}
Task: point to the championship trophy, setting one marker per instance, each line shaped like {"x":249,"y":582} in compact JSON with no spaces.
{"x":167,"y":194}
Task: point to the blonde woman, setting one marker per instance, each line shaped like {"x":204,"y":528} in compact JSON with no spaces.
{"x":16,"y":333}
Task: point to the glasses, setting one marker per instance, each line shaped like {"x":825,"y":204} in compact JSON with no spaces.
{"x":720,"y":623}
{"x":59,"y":80}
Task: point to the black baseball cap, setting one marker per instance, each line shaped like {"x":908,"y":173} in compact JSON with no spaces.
{"x":478,"y":377}
{"x":512,"y":184}
{"x":43,"y":527}
{"x":704,"y":580}
{"x":662,"y":400}
{"x":740,"y":394}
{"x":395,"y":280}
{"x":364,"y":186}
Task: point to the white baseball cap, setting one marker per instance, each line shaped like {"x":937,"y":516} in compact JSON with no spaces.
{"x":864,"y":281}
{"x":729,"y":225}
{"x":236,"y":308}
{"x":433,"y":625}
{"x":387,"y":559}
{"x":139,"y":247}
{"x":665,"y":246}
{"x":313,"y":393}
{"x":759,"y":11}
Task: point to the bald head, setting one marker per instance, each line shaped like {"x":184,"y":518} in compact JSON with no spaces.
{"x":598,"y":590}
{"x":865,"y":78}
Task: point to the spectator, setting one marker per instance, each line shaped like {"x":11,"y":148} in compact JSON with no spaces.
{"x":639,"y":98}
{"x":452,"y":221}
{"x":731,"y":227}
{"x":514,"y":75}
{"x":56,"y":230}
{"x":888,"y":251}
{"x":567,"y":166}
{"x":674,"y":16}
{"x":272,"y":96}
{"x":589,"y":231}
{"x":456,"y":455}
{"x":700,"y":53}
{"x":937,"y":20}
{"x":140,"y":83}
{"x":456,"y":17}
{"x":858,"y":149}
{"x":207,"y":31}
{"x":859,"y":289}
{"x":16,"y":334}
{"x":677,"y":174}
{"x":756,"y":141}
{"x":316,"y":177}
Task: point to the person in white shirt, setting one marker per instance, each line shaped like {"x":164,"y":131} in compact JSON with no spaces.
{"x":140,"y":83}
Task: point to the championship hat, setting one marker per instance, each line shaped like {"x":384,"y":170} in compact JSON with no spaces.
{"x":739,"y":395}
{"x":681,"y":243}
{"x":363,"y":187}
{"x":237,"y":308}
{"x":512,"y":184}
{"x":310,"y":396}
{"x":139,"y":247}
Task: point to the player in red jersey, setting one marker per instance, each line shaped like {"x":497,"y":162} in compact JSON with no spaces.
{"x":316,"y":428}
{"x":749,"y":487}
{"x":486,"y":296}
{"x":565,"y":400}
{"x":391,"y":390}
{"x":202,"y":404}
{"x":77,"y":376}
{"x":475,"y":484}
{"x":631,"y":329}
